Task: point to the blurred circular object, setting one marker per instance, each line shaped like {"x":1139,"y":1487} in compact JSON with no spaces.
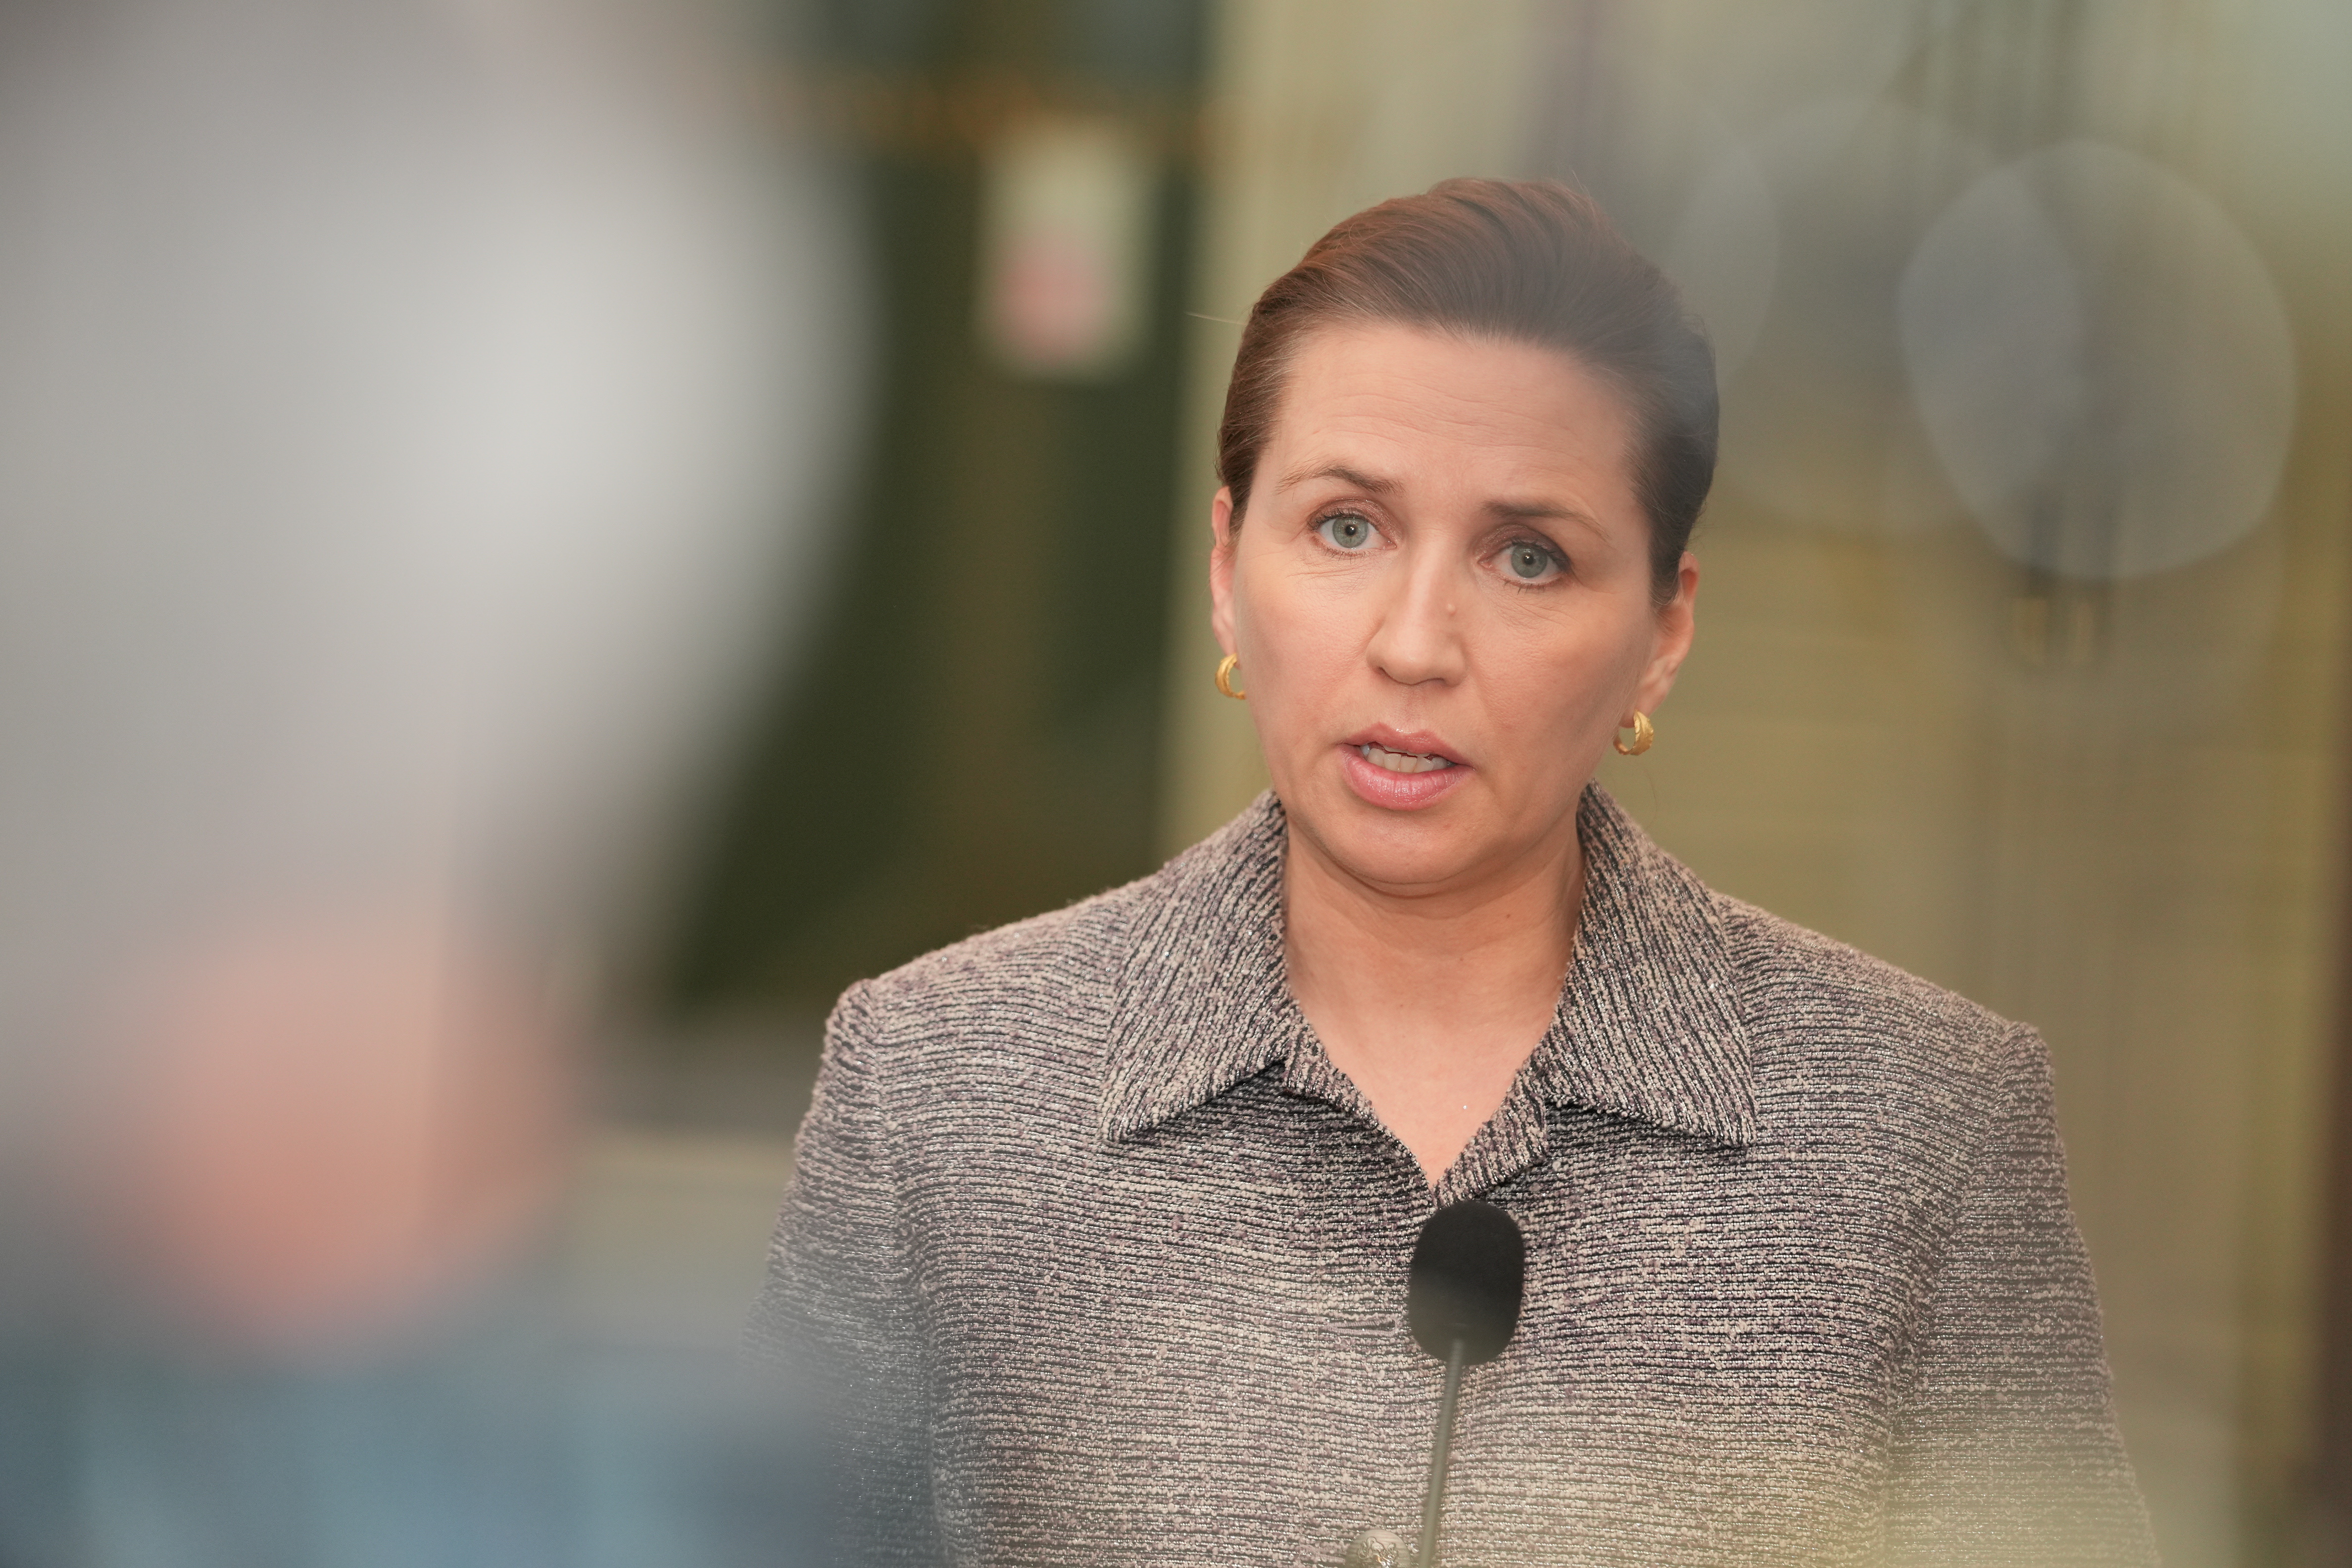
{"x":2102,"y":363}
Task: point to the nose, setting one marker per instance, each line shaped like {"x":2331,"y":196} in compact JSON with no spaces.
{"x":1419,"y":637}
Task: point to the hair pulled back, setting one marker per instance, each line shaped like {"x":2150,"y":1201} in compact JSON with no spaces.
{"x":1530,"y":261}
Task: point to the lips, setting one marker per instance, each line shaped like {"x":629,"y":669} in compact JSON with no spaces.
{"x":1397,"y":772}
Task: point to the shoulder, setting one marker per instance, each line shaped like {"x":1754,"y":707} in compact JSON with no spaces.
{"x":1788,"y":967}
{"x":1009,"y":1018}
{"x":1824,"y":1018}
{"x":1072,"y":957}
{"x":1001,"y":1047}
{"x":1809,"y":1008}
{"x":998,"y":982}
{"x":1044,"y":986}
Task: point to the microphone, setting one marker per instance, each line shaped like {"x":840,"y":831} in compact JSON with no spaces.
{"x":1462,"y":1303}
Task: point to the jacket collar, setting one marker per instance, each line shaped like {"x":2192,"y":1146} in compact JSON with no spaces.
{"x":1648,"y":1025}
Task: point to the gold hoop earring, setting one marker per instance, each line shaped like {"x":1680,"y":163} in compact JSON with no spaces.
{"x":1225,"y":667}
{"x":1644,"y":733}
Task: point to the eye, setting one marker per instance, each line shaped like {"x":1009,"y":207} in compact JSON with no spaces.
{"x":1347,"y":530}
{"x":1528,"y":561}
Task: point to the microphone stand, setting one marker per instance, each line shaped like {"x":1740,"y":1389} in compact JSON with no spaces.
{"x":1433,"y":1505}
{"x":1461,"y":1303}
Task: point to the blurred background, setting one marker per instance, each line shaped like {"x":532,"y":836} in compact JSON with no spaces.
{"x":540,"y":540}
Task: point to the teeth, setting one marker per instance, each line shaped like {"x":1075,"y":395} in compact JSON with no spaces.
{"x":1401,"y":761}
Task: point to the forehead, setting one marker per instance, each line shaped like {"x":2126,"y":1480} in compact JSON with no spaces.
{"x":1514,"y":413}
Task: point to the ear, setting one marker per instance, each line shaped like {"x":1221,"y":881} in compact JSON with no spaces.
{"x":1674,"y":625}
{"x":1221,"y":569}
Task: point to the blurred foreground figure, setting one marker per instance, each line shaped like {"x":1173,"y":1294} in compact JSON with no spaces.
{"x":406,"y":414}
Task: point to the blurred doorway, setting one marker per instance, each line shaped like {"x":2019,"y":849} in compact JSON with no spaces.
{"x":973,"y":736}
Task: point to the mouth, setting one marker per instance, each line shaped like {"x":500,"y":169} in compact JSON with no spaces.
{"x":1398,"y":770}
{"x":1396,"y":762}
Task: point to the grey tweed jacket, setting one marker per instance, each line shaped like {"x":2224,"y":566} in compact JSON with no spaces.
{"x":1107,"y":1261}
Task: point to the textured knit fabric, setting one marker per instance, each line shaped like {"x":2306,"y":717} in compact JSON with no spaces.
{"x":1110,"y":1261}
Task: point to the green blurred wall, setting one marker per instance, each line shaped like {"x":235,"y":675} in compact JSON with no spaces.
{"x":972,"y":733}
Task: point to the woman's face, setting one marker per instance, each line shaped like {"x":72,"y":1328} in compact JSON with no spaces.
{"x":1440,"y":597}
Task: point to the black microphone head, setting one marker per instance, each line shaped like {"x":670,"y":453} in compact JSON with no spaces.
{"x":1469,"y":1270}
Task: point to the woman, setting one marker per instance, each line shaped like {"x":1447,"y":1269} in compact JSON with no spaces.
{"x":1107,"y":1217}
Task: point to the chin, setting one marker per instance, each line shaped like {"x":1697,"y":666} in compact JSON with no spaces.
{"x":1434,"y":844}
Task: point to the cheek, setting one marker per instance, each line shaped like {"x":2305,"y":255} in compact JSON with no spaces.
{"x":1302,"y":664}
{"x":1292,"y":639}
{"x":1555,"y":690}
{"x":1291,"y":678}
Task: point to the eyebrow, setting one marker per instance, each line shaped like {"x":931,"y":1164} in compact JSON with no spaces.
{"x":1534,"y":509}
{"x":1355,"y":477}
{"x":1375,"y":484}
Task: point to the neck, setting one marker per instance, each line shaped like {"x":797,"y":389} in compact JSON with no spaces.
{"x":1522,"y":914}
{"x":1432,"y":1000}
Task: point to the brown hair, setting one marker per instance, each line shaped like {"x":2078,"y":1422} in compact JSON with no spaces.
{"x":1529,"y":260}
